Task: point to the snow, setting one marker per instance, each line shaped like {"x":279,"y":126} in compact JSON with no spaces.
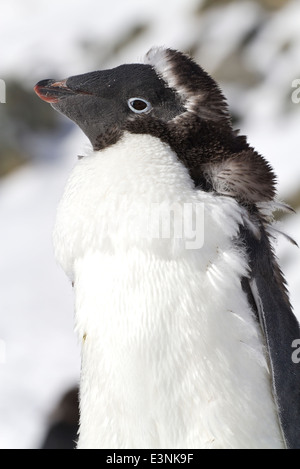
{"x":45,"y":37}
{"x":42,"y":355}
{"x":39,"y":353}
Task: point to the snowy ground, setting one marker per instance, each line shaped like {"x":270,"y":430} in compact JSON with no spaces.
{"x":39,"y":354}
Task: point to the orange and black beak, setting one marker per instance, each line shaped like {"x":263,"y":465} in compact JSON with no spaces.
{"x":52,"y":91}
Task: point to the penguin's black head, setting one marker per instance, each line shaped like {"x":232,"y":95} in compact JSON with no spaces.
{"x":106,"y":102}
{"x":172,"y":98}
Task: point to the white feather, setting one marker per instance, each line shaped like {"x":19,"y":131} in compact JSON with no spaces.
{"x":158,"y":58}
{"x":172,"y":356}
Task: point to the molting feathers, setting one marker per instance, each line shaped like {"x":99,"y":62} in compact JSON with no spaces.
{"x":199,"y":93}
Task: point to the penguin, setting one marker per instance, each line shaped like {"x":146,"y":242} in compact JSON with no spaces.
{"x":165,"y":229}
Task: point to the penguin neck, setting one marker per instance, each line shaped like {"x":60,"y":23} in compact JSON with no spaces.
{"x":109,"y":194}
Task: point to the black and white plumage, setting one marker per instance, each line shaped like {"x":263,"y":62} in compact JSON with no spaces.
{"x":182,"y":348}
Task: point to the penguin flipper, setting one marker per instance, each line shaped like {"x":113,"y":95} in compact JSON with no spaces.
{"x":268,"y":297}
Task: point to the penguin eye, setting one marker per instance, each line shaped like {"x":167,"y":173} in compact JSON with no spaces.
{"x":139,"y":105}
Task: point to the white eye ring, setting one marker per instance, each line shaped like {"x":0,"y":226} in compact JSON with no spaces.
{"x":139,"y":105}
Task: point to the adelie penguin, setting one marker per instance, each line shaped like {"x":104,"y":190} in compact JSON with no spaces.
{"x":183,"y":346}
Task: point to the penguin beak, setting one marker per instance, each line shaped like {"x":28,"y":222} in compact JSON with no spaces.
{"x":52,"y":91}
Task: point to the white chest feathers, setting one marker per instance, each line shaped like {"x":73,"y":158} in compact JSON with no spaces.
{"x":172,"y":356}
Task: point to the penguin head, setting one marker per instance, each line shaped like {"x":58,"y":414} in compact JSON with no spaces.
{"x":172,"y":98}
{"x":105,"y":103}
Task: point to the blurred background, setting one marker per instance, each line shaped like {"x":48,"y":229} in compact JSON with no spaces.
{"x":251,"y":47}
